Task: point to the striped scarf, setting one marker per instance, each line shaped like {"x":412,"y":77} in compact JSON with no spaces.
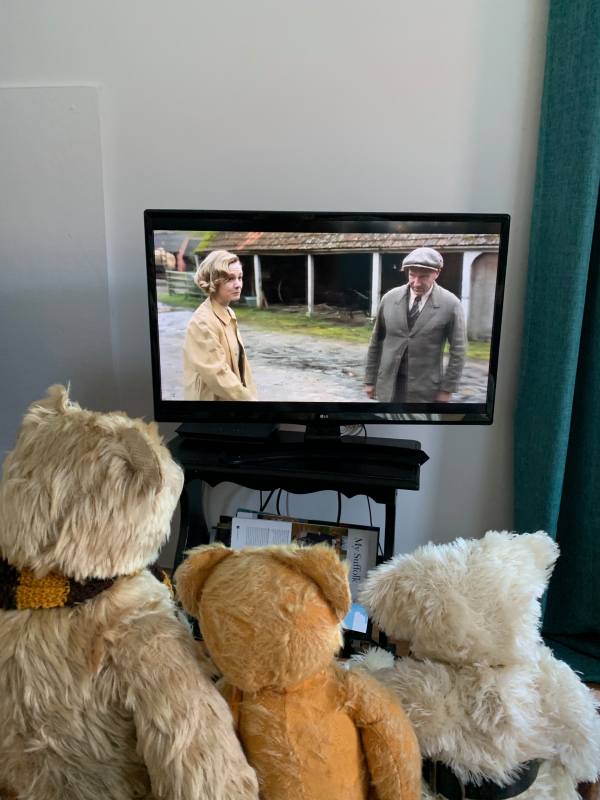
{"x":20,"y":589}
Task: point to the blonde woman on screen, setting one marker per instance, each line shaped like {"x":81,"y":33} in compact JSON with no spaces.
{"x":215,"y":365}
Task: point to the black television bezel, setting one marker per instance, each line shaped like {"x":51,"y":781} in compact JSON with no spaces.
{"x":350,"y":413}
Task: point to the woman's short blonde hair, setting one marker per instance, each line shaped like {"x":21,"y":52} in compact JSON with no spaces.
{"x":214,"y":270}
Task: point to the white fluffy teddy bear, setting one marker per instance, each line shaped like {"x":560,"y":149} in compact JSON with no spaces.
{"x":496,"y":715}
{"x":102,"y":695}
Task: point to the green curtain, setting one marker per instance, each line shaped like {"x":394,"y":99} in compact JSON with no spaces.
{"x":557,"y":422}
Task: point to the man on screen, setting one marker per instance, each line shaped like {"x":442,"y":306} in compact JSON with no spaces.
{"x":414,"y":322}
{"x":215,"y":365}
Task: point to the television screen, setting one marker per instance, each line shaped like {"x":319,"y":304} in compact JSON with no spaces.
{"x":300,"y":316}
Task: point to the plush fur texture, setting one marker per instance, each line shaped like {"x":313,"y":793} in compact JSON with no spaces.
{"x":482,"y":691}
{"x":107,"y":699}
{"x":270,"y":618}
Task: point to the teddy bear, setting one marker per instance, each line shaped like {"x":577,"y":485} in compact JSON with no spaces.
{"x":270,"y":619}
{"x":103,"y":691}
{"x":496,"y":714}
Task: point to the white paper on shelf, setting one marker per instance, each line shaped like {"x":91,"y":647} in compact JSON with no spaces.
{"x":259,"y":532}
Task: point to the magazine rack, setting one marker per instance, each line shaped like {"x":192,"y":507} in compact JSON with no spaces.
{"x":287,"y":460}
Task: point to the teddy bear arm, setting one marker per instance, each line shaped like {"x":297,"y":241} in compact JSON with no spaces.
{"x":389,"y":742}
{"x":233,"y":698}
{"x":426,"y":690}
{"x":183,"y":726}
{"x":570,"y":708}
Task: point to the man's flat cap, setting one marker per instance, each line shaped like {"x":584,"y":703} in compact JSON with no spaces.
{"x":425,"y":257}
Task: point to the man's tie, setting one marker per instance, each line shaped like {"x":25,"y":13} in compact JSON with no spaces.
{"x":413,"y":312}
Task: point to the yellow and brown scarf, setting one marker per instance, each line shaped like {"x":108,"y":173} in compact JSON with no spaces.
{"x":21,"y":590}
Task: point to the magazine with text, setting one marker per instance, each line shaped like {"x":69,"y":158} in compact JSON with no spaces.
{"x":356,"y":544}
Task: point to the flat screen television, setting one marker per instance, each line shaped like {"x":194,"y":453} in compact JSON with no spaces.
{"x":325,"y":317}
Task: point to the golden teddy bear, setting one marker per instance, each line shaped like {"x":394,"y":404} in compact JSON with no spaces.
{"x":270,"y":618}
{"x":103,"y":696}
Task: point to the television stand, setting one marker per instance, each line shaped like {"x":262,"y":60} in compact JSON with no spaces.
{"x":299,"y":464}
{"x":287,"y":460}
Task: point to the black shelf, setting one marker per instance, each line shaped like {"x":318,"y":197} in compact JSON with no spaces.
{"x":286,"y":460}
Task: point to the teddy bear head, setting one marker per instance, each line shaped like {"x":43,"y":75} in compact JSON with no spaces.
{"x":270,"y":616}
{"x":470,"y":601}
{"x":85,"y":494}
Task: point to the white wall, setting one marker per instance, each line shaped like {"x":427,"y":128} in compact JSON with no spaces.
{"x":54,"y":299}
{"x":389,"y":105}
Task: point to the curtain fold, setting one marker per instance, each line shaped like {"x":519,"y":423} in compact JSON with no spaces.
{"x":557,"y":422}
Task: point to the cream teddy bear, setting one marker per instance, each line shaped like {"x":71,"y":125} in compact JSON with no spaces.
{"x":102,"y":694}
{"x":490,"y":704}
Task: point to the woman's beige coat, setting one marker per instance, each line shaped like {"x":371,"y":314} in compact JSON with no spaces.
{"x":211,"y":354}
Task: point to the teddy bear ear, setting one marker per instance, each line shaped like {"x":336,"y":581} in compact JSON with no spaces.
{"x":56,"y":401}
{"x":192,"y":574}
{"x":543,"y":549}
{"x":537,"y":552}
{"x":141,"y":458}
{"x":57,"y":397}
{"x":322,"y":565}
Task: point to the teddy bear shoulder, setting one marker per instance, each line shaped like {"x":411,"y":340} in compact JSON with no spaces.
{"x":443,"y":699}
{"x":424,"y":681}
{"x":134,"y":628}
